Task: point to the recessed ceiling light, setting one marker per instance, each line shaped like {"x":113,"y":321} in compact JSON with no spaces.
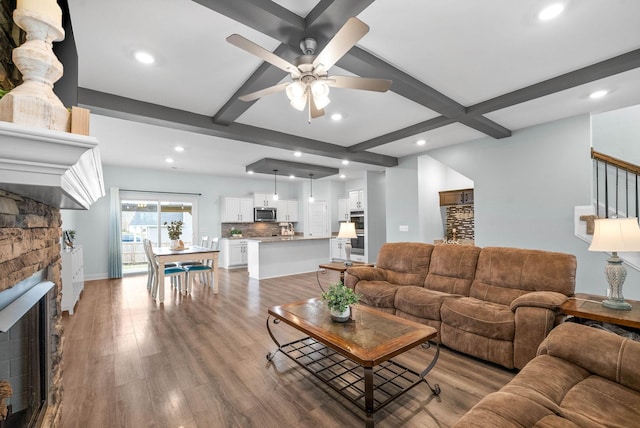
{"x":297,"y":154}
{"x":144,"y":57}
{"x":421,"y":142}
{"x":342,"y":176}
{"x":550,"y":12}
{"x":336,"y":116}
{"x":178,"y":149}
{"x":345,"y":162}
{"x":292,"y":176}
{"x":249,"y":172}
{"x":598,"y":94}
{"x":168,"y":160}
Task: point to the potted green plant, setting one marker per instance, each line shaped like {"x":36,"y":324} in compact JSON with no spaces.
{"x":338,"y":298}
{"x":235,"y":233}
{"x":174,"y":229}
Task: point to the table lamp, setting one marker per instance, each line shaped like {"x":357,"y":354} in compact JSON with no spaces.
{"x":347,"y":230}
{"x":613,"y":235}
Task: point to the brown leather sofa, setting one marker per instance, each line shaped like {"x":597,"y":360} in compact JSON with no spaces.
{"x":582,"y":377}
{"x":494,"y":303}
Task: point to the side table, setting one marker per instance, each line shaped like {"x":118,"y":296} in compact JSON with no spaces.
{"x":589,"y":306}
{"x":341,"y":267}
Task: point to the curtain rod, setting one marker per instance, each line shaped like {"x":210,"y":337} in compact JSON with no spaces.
{"x":168,"y":193}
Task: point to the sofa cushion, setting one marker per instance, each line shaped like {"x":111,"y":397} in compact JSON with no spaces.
{"x":378,"y":294}
{"x":406,"y":263}
{"x":503,"y":274}
{"x":475,"y":316}
{"x":420,"y":302}
{"x":452,"y":268}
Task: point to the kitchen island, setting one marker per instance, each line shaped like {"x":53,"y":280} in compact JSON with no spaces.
{"x":286,"y":255}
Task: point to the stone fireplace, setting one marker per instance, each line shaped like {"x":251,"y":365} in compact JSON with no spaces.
{"x":30,"y":253}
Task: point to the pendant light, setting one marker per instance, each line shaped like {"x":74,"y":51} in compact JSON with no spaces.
{"x":275,"y":188}
{"x":311,"y":184}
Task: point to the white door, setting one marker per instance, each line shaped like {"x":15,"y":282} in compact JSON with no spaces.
{"x":318,"y":219}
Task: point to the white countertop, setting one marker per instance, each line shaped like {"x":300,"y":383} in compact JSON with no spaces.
{"x":269,"y":239}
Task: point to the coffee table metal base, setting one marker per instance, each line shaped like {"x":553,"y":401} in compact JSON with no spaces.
{"x":369,"y":388}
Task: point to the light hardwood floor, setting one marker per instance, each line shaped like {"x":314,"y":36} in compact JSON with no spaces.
{"x":199,"y":361}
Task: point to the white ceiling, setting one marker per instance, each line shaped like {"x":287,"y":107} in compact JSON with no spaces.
{"x":470,"y":51}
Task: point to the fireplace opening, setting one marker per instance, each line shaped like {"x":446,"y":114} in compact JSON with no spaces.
{"x":24,"y":364}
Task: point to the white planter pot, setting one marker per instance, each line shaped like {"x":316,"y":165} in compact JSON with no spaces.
{"x":341,"y":316}
{"x":175,"y":244}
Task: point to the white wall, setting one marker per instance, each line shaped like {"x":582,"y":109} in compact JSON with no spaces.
{"x":617,"y":133}
{"x":525,"y":190}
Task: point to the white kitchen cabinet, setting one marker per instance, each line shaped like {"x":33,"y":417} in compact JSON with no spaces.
{"x":343,"y":209}
{"x":72,"y":277}
{"x":237,"y":210}
{"x":287,"y":210}
{"x":337,"y":248}
{"x":264,"y":200}
{"x":356,"y":200}
{"x":233,"y":253}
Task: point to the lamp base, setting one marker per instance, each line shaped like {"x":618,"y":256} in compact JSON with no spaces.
{"x":619,"y":305}
{"x":616,"y":274}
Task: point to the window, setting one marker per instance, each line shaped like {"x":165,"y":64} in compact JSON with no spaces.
{"x":144,"y":218}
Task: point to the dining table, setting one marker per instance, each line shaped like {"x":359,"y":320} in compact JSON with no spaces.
{"x":165,"y":255}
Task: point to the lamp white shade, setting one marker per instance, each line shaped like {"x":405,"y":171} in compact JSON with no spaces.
{"x":616,"y":234}
{"x":347,"y":230}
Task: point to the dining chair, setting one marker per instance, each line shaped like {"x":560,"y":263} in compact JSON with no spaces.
{"x":204,"y":242}
{"x":176,"y":273}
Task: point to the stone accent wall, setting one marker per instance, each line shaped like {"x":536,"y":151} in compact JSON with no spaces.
{"x":461,"y":218}
{"x":29,"y":242}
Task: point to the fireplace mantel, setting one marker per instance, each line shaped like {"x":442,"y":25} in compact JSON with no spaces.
{"x":59,"y":169}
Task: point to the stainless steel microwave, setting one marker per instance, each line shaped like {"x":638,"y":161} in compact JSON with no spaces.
{"x":264,"y":214}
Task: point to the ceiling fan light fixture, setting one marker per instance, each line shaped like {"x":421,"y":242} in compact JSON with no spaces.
{"x":321,"y":101}
{"x":299,"y":103}
{"x":319,"y":88}
{"x":296,"y":90}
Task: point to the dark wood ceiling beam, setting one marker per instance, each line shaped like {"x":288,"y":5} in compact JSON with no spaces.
{"x":363,"y":63}
{"x":591,"y":73}
{"x":266,"y":17}
{"x":264,"y":77}
{"x":154,"y":114}
{"x":427,"y":125}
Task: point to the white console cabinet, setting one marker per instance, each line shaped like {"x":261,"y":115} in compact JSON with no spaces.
{"x":72,"y":276}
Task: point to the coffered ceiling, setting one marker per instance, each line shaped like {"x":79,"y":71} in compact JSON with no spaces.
{"x":461,"y":70}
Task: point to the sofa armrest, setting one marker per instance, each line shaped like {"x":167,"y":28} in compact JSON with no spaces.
{"x":363,"y":273}
{"x":598,"y":351}
{"x":540,"y":299}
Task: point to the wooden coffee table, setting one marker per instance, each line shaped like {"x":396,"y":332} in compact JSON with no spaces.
{"x":355,"y":358}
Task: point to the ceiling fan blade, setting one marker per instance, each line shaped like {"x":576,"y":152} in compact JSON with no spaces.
{"x":346,"y":37}
{"x":262,"y":53}
{"x":264,"y":92}
{"x":314,"y":111}
{"x":364,"y":83}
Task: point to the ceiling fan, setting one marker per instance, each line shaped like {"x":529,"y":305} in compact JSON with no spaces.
{"x":310,"y":81}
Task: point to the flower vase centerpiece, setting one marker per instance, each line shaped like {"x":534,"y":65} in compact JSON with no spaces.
{"x":338,"y":298}
{"x":174,"y":229}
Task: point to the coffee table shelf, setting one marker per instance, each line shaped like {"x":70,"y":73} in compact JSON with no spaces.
{"x":390,"y":379}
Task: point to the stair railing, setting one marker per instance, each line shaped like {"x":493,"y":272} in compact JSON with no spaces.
{"x":618,"y":180}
